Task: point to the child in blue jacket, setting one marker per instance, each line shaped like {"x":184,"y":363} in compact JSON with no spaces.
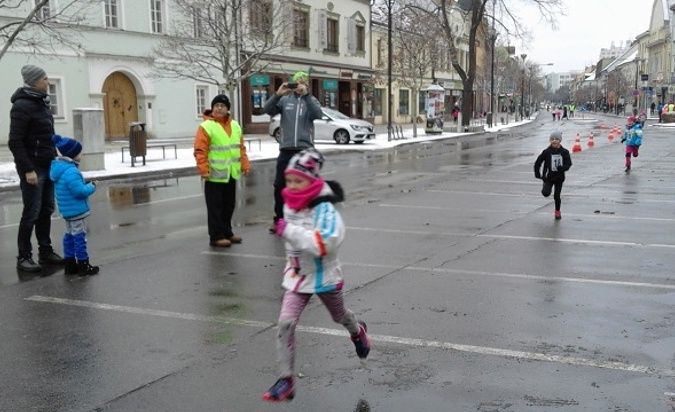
{"x":71,"y":196}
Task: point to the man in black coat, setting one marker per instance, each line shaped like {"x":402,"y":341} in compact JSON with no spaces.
{"x":31,"y":129}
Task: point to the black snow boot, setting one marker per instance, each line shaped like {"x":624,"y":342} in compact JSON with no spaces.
{"x":70,"y":266}
{"x":85,"y":269}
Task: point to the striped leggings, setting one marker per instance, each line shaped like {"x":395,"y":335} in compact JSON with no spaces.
{"x":291,"y":308}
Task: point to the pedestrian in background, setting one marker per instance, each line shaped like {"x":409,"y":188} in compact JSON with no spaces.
{"x":313,"y":231}
{"x":298,"y":111}
{"x":72,"y":193}
{"x":632,"y":138}
{"x":31,"y":129}
{"x":221,"y":159}
{"x":556,"y":161}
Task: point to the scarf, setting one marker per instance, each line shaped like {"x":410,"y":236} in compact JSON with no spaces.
{"x":299,"y":199}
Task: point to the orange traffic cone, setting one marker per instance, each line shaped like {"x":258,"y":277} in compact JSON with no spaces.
{"x":611,"y":135}
{"x":577,"y":144}
{"x":590,"y":142}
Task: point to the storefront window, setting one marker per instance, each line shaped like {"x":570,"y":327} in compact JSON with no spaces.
{"x":259,"y":94}
{"x":403,"y":102}
{"x":329,"y":96}
{"x":376,"y":109}
{"x":420,"y":103}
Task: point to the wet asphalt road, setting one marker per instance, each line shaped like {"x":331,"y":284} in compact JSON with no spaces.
{"x":476,"y":298}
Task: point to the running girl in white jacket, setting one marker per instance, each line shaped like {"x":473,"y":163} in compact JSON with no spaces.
{"x":313,"y":231}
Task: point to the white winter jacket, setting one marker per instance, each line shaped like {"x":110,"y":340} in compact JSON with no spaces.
{"x":313,"y":236}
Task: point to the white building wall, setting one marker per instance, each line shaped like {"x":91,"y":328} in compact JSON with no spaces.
{"x":167,"y":106}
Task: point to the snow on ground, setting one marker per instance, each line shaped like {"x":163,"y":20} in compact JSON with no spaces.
{"x":267,"y":149}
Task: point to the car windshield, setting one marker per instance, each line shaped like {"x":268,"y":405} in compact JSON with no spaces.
{"x":334,"y":113}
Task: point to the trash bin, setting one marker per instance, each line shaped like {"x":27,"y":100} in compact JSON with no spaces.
{"x":138,"y":141}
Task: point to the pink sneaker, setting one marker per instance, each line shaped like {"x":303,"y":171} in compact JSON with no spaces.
{"x":282,"y":390}
{"x":557,"y":215}
{"x":361,"y":341}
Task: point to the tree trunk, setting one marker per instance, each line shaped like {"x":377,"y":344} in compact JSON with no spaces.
{"x":415,"y":104}
{"x":467,"y":103}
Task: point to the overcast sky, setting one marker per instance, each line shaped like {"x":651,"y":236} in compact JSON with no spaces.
{"x":588,"y":26}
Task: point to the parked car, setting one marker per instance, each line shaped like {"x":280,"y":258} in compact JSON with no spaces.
{"x":333,"y":126}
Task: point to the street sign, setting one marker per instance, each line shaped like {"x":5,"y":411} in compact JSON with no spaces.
{"x":259,"y":79}
{"x":644,"y":77}
{"x":636,"y":92}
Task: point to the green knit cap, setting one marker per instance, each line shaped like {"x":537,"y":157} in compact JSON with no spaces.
{"x":298,"y":76}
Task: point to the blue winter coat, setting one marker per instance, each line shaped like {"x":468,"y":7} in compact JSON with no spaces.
{"x":71,"y":190}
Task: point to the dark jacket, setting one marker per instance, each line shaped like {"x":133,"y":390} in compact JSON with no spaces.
{"x":31,"y":129}
{"x":297,"y":119}
{"x":556,"y":162}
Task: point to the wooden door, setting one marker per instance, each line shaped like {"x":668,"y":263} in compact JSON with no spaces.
{"x":119,"y":105}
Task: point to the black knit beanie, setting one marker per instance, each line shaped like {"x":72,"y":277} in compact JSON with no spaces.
{"x":221,"y":98}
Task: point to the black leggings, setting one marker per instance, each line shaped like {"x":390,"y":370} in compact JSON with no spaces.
{"x":546,"y":191}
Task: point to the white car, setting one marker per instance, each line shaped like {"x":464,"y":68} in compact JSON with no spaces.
{"x":333,"y":126}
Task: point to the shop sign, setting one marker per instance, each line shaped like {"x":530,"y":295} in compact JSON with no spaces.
{"x":330,"y":84}
{"x":259,"y":79}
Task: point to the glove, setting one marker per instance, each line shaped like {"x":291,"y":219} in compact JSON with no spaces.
{"x":279,"y":227}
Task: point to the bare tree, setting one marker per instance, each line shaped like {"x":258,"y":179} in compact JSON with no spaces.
{"x":38,"y":26}
{"x":414,"y":58}
{"x":222,"y":42}
{"x":453,"y":17}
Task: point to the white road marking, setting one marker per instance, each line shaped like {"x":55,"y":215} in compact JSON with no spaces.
{"x":414,"y":342}
{"x":588,"y":215}
{"x":577,"y":195}
{"x":515,"y":237}
{"x":470,"y":272}
{"x":581,"y":241}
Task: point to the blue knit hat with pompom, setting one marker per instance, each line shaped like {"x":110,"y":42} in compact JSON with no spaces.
{"x":67,"y":147}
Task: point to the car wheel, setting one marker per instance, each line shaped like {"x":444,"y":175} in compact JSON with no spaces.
{"x":341,"y":136}
{"x":277,"y":134}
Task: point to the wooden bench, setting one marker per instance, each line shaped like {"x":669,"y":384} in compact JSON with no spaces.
{"x":155,"y":145}
{"x":250,"y":140}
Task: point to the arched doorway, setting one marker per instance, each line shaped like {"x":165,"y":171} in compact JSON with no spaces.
{"x":119,"y":105}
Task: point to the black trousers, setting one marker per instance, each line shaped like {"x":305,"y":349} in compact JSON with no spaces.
{"x":284,"y":157}
{"x":38,"y":206}
{"x":220,"y":201}
{"x":546,"y":191}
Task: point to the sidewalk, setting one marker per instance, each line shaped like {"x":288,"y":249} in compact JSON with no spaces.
{"x":266,"y":148}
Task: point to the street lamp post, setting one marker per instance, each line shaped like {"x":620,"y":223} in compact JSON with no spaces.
{"x":493,"y":39}
{"x":390,"y":63}
{"x":522,"y":88}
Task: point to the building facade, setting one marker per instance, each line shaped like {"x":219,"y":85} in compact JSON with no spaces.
{"x":113,"y":67}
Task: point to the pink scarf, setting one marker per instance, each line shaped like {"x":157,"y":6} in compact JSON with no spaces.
{"x":299,"y":199}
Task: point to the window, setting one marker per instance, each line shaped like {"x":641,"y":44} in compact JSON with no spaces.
{"x":260,"y":16}
{"x":56,"y":98}
{"x":156,"y":10}
{"x":44,"y":12}
{"x":111,"y":14}
{"x":332,"y":39}
{"x":301,"y":28}
{"x":201,"y":93}
{"x":404,"y":102}
{"x":197,"y":29}
{"x":380,"y":48}
{"x":360,"y":38}
{"x":377,"y":102}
